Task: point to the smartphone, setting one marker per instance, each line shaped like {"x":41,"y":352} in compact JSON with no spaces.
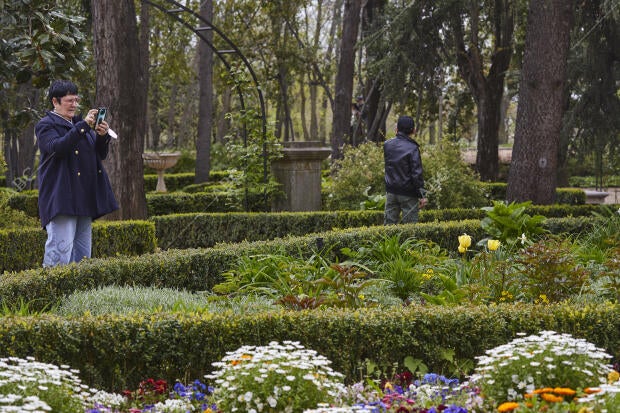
{"x":100,"y":116}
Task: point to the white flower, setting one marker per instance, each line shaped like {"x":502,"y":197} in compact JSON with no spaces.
{"x":272,"y":401}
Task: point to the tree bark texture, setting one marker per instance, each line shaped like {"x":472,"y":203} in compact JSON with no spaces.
{"x":487,"y":89}
{"x":344,"y":77}
{"x":121,"y":87}
{"x":19,"y":144}
{"x":533,"y":170}
{"x":205,"y":106}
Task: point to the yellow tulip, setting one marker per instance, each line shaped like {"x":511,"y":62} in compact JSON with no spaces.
{"x":493,"y":244}
{"x":462,"y":249}
{"x":464,"y":241}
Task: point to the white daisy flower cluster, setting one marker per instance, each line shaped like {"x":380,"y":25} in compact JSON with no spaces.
{"x":353,"y":409}
{"x":547,"y":359}
{"x":274,"y":378}
{"x":28,"y":385}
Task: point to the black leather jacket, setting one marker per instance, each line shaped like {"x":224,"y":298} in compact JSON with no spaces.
{"x":403,"y":166}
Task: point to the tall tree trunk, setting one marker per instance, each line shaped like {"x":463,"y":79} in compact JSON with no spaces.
{"x":344,"y":77}
{"x":303,"y":108}
{"x":121,"y":87}
{"x":374,"y":107}
{"x":486,"y":90}
{"x":144,"y":36}
{"x":19,"y":142}
{"x":533,"y":170}
{"x":335,"y":23}
{"x":223,"y":124}
{"x":172,"y":111}
{"x":313,"y":81}
{"x":205,"y":107}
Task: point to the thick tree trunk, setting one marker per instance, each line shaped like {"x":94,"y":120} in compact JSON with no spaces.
{"x":374,"y":107}
{"x":223,"y":124}
{"x":144,"y":38}
{"x":205,"y":106}
{"x":488,"y":89}
{"x":122,"y":89}
{"x":344,"y":78}
{"x":489,"y":114}
{"x":533,"y":170}
{"x":19,"y":141}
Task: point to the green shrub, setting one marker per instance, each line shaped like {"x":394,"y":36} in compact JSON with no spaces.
{"x":177,"y":181}
{"x":11,"y":218}
{"x":22,"y":249}
{"x":497,"y":191}
{"x":450,"y":182}
{"x":199,"y":270}
{"x":360,"y":171}
{"x":115,"y":352}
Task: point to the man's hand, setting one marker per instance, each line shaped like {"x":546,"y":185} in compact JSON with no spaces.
{"x":423,"y":202}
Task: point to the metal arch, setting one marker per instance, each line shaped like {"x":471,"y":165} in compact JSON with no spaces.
{"x":176,"y":14}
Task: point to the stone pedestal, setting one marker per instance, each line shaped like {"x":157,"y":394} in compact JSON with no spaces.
{"x":160,"y":162}
{"x":299,"y":172}
{"x":594,"y":196}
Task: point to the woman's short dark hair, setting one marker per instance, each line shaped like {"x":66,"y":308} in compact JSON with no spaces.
{"x":60,"y":88}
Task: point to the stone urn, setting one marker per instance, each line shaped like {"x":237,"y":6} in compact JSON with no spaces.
{"x":160,"y":161}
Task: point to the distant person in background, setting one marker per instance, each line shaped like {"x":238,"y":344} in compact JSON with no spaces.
{"x":404,"y":183}
{"x":74,"y":189}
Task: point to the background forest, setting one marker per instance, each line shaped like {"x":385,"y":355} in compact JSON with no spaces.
{"x":542,"y":77}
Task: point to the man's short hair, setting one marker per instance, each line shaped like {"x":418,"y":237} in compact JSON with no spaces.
{"x":60,"y":88}
{"x":405,"y":124}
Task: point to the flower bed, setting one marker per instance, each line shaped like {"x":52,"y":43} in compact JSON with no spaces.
{"x":545,"y":372}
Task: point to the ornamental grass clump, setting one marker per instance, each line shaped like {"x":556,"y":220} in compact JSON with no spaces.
{"x":279,"y":377}
{"x":546,"y":360}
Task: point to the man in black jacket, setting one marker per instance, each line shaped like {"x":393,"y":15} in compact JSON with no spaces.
{"x":404,"y":184}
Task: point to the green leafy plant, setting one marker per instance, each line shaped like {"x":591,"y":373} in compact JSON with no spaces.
{"x":247,"y":160}
{"x":404,"y":263}
{"x":509,"y":223}
{"x":550,"y":269}
{"x":355,"y":177}
{"x":451,"y":183}
{"x":275,"y":276}
{"x":274,"y":378}
{"x":451,"y":293}
{"x":373,"y":202}
{"x":345,"y":286}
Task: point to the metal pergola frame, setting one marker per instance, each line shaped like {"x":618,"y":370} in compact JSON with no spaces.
{"x":187,"y":17}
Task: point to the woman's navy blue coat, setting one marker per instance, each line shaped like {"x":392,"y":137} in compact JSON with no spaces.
{"x":71,"y":177}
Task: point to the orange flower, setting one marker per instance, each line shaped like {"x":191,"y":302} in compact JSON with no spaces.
{"x":591,"y":390}
{"x":548,"y":397}
{"x":543,"y":390}
{"x":507,"y":407}
{"x":239,"y":361}
{"x":564,"y":391}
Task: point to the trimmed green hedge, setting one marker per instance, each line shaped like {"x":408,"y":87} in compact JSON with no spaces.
{"x":176,"y":182}
{"x":24,"y":248}
{"x":572,"y":196}
{"x":166,"y":203}
{"x":117,"y":352}
{"x":202,"y":230}
{"x":201,"y":269}
{"x":205,"y":230}
{"x":163,"y":203}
